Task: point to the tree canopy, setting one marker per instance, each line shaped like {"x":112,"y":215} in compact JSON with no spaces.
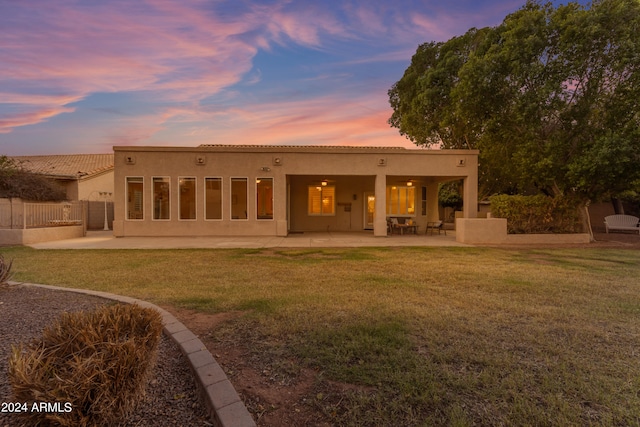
{"x":550,"y":97}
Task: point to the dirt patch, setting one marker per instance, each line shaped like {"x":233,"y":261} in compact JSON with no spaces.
{"x":276,"y":392}
{"x":292,"y":253}
{"x":195,"y":320}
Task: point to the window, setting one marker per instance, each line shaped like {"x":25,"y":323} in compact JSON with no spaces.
{"x":161,"y":191}
{"x":239,"y":198}
{"x":187,"y":199}
{"x":423,"y":212}
{"x":135,"y":197}
{"x":213,"y":198}
{"x":322,"y":200}
{"x":264,"y":198}
{"x":401,"y":200}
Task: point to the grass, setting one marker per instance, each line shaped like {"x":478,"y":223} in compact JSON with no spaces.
{"x":422,"y":336}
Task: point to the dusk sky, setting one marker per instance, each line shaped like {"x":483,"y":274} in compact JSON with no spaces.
{"x":80,"y":76}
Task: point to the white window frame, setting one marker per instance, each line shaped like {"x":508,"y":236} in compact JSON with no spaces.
{"x":221,"y":198}
{"x":322,"y":187}
{"x":195,"y":194}
{"x":397,"y":214}
{"x":246,"y":180}
{"x":272,"y":198}
{"x":126,"y":194}
{"x":153,"y":198}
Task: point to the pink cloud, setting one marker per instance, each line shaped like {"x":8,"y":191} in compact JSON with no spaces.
{"x":302,"y":24}
{"x":37,"y":99}
{"x":11,"y":121}
{"x":329,"y":120}
{"x":132,"y":134}
{"x":436,"y":27}
{"x":108,"y":48}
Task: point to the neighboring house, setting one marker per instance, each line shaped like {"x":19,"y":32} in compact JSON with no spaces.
{"x":275,"y":190}
{"x":87,"y":180}
{"x":83,"y":176}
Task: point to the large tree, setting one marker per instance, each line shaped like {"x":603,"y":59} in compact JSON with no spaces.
{"x":551,"y":97}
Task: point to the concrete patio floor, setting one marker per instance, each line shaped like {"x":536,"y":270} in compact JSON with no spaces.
{"x":105,"y":240}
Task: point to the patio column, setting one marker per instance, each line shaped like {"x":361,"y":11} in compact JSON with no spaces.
{"x":380,"y":215}
{"x":433,"y":213}
{"x":470,"y":198}
{"x":280,"y":205}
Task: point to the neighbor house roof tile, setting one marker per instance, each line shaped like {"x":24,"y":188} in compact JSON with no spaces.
{"x":69,"y":166}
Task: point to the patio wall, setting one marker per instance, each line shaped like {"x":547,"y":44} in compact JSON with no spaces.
{"x":10,"y":237}
{"x":493,"y":231}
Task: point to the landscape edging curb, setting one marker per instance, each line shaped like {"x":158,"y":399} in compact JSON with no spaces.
{"x":223,"y":403}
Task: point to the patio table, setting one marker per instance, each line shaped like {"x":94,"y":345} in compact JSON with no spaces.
{"x":411,"y":227}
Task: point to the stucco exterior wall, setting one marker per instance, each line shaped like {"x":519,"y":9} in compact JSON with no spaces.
{"x":493,"y":231}
{"x":90,"y":188}
{"x":481,"y":230}
{"x":353,"y":170}
{"x":37,"y":235}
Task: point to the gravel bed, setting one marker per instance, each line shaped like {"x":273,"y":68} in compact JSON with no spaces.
{"x":171,"y":398}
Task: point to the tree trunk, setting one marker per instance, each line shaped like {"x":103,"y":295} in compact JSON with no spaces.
{"x":583,"y":209}
{"x":618,"y":207}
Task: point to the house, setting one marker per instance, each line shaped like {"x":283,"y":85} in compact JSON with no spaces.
{"x":83,"y":176}
{"x":226,"y":190}
{"x":88,"y":183}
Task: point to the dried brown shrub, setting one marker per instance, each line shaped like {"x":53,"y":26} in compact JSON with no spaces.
{"x":97,"y":361}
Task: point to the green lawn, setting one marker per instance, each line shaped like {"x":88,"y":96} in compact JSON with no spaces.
{"x":430,"y":336}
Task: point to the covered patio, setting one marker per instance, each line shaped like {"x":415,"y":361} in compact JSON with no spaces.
{"x":346,"y":203}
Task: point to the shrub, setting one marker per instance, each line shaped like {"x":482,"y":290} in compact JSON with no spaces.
{"x":449,"y":196}
{"x":15,"y":181}
{"x":98,"y":362}
{"x":31,"y":186}
{"x":5,"y":270}
{"x":536,"y":214}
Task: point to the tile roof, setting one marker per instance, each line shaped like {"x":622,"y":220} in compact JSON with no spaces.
{"x":302,"y":147}
{"x":68,"y":166}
